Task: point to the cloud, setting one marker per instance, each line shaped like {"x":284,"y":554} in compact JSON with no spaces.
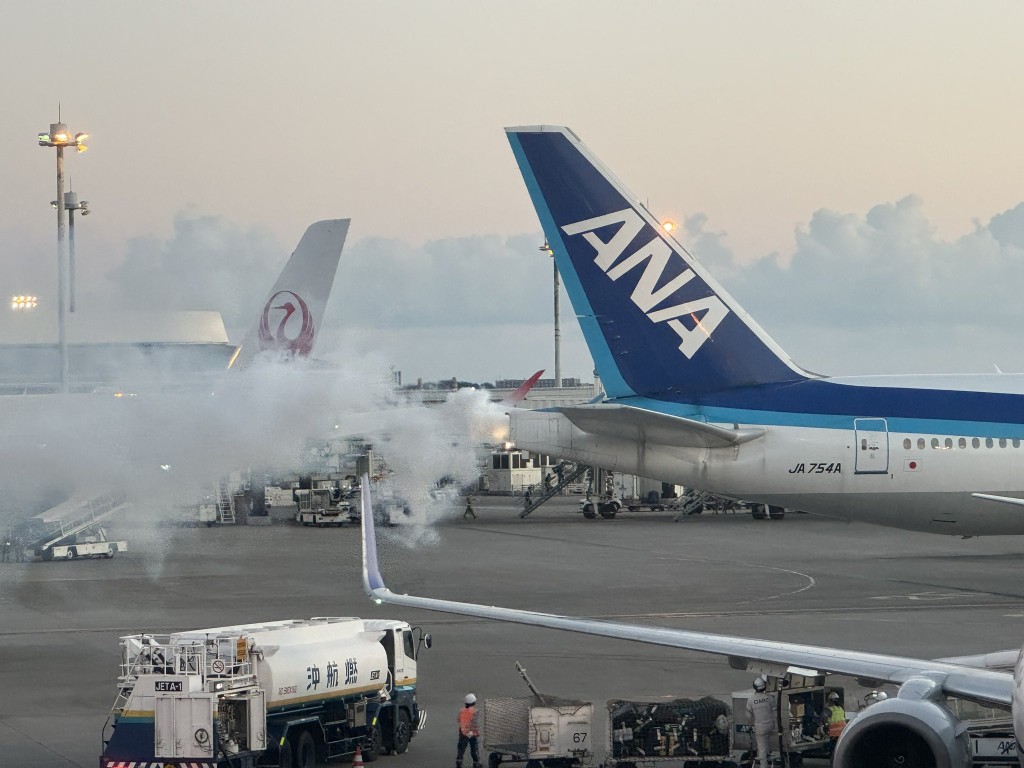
{"x":872,"y":292}
{"x":882,"y":292}
{"x":480,"y":279}
{"x":207,"y":263}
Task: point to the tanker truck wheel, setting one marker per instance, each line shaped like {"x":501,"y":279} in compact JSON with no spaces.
{"x":285,"y":758}
{"x":373,"y":748}
{"x":403,"y":734}
{"x":305,"y":751}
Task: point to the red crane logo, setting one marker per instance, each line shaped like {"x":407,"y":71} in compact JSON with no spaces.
{"x":289,"y":303}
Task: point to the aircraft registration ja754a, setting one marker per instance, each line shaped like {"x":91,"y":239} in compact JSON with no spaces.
{"x":698,"y":394}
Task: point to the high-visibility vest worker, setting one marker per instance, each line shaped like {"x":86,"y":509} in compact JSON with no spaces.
{"x":836,"y":716}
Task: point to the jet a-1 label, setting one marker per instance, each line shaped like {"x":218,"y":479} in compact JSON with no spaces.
{"x":817,"y":468}
{"x":646,"y":296}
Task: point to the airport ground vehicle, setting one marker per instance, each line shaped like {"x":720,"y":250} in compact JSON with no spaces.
{"x":72,"y":529}
{"x":683,"y":732}
{"x":85,"y":545}
{"x":284,"y":693}
{"x":540,"y":730}
{"x":323,"y":507}
{"x":605,"y":507}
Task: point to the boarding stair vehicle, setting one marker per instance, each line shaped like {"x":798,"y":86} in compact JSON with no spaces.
{"x":546,"y":492}
{"x":74,"y":529}
{"x":225,"y":502}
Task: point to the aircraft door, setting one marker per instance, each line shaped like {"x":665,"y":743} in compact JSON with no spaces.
{"x":871,"y":446}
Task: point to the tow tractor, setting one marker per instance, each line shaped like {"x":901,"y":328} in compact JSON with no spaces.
{"x":607,"y":507}
{"x":323,"y":507}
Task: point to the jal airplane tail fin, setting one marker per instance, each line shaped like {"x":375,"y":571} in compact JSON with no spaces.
{"x":656,"y":322}
{"x":522,"y":390}
{"x":293,"y":313}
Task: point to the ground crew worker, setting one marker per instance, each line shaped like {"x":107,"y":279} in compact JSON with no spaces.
{"x":836,"y":716}
{"x":469,"y":508}
{"x":469,"y":732}
{"x":761,"y":713}
{"x":874,"y":697}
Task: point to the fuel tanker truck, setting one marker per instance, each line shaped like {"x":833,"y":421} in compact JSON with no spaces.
{"x":285,"y":693}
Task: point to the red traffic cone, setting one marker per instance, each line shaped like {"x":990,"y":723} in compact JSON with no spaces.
{"x":357,"y":761}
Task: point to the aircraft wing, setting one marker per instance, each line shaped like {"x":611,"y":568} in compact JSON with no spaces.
{"x":1000,"y":499}
{"x":641,"y":424}
{"x":988,"y":686}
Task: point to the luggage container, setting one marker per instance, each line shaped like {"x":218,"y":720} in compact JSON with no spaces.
{"x":683,"y":733}
{"x":540,"y":730}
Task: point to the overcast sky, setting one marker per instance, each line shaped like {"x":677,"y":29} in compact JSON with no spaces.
{"x":852,"y":172}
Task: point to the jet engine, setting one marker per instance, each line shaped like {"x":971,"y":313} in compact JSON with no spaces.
{"x":915,"y":729}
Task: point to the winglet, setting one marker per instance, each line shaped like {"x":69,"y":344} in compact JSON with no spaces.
{"x":372,"y":581}
{"x":520,"y":394}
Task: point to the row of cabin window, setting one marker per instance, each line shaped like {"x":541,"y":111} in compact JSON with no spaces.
{"x":961,"y":442}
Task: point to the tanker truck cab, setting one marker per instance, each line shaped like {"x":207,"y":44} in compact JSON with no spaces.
{"x":401,"y":717}
{"x":285,"y":693}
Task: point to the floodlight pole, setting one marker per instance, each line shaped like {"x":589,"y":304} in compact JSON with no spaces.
{"x":61,"y":288}
{"x":59,"y":136}
{"x":71,"y":204}
{"x":558,"y":328}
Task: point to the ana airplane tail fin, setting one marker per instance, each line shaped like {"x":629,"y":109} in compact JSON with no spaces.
{"x":656,"y":322}
{"x":292,"y":315}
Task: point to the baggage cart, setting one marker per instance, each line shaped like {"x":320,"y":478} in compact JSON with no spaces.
{"x":539,"y":730}
{"x":682,"y":733}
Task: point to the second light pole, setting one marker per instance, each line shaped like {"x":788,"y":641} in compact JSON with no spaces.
{"x":72,"y":204}
{"x":558,"y":329}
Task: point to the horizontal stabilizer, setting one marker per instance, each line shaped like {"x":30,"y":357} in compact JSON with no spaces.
{"x":642,"y":425}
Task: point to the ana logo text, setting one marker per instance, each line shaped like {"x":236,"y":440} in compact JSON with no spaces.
{"x":705,"y":313}
{"x":288,"y":303}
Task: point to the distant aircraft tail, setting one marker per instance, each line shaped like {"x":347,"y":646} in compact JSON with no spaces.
{"x":523,"y":390}
{"x":656,"y":322}
{"x":293,"y":313}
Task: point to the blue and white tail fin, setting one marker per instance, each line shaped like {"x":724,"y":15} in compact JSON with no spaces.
{"x":293,"y":313}
{"x":656,"y":322}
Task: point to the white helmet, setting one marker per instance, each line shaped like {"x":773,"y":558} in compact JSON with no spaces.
{"x":471,"y":698}
{"x":760,"y":683}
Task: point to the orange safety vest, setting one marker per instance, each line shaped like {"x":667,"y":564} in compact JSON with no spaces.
{"x":467,"y":722}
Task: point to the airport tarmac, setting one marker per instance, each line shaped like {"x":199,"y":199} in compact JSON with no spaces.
{"x":804,"y":579}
